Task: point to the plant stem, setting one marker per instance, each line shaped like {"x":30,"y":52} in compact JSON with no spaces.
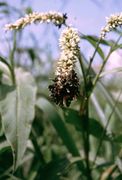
{"x":101,"y":69}
{"x":11,"y":57}
{"x":83,"y":71}
{"x":92,"y":58}
{"x":84,"y":112}
{"x":87,"y":148}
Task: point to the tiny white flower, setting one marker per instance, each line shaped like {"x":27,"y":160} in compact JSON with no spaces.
{"x":54,"y":17}
{"x":113,"y":21}
{"x":68,"y":44}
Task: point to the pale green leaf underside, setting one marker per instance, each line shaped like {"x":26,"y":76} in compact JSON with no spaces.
{"x":17,"y":110}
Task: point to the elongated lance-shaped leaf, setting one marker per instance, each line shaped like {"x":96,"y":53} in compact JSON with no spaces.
{"x":96,"y":39}
{"x":93,"y":42}
{"x":59,"y":125}
{"x":17,"y":111}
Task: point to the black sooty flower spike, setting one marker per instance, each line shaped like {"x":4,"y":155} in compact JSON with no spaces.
{"x":66,"y":83}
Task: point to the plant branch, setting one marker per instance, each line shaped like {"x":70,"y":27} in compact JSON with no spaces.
{"x":84,"y":113}
{"x":92,"y":58}
{"x":83,"y":71}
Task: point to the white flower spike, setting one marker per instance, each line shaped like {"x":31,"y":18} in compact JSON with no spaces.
{"x":55,"y":17}
{"x":113,"y":22}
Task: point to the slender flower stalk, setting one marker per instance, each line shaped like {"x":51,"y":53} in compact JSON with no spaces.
{"x":113,"y":22}
{"x":55,"y":17}
{"x":66,"y":83}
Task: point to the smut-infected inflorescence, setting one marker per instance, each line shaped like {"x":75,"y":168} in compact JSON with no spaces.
{"x":66,"y":83}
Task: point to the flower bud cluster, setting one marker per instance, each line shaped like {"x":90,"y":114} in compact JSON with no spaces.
{"x":66,"y":83}
{"x":113,"y":22}
{"x":55,"y":17}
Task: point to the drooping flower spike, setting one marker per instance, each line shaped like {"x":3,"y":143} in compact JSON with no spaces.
{"x":66,"y":83}
{"x":55,"y":17}
{"x":113,"y":22}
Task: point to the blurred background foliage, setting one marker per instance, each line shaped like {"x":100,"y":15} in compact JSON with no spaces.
{"x":55,"y":146}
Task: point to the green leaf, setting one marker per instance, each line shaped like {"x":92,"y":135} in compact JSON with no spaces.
{"x":72,"y":117}
{"x":97,"y":130}
{"x":17,"y":111}
{"x":93,"y":41}
{"x":52,"y":114}
{"x":96,"y":39}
